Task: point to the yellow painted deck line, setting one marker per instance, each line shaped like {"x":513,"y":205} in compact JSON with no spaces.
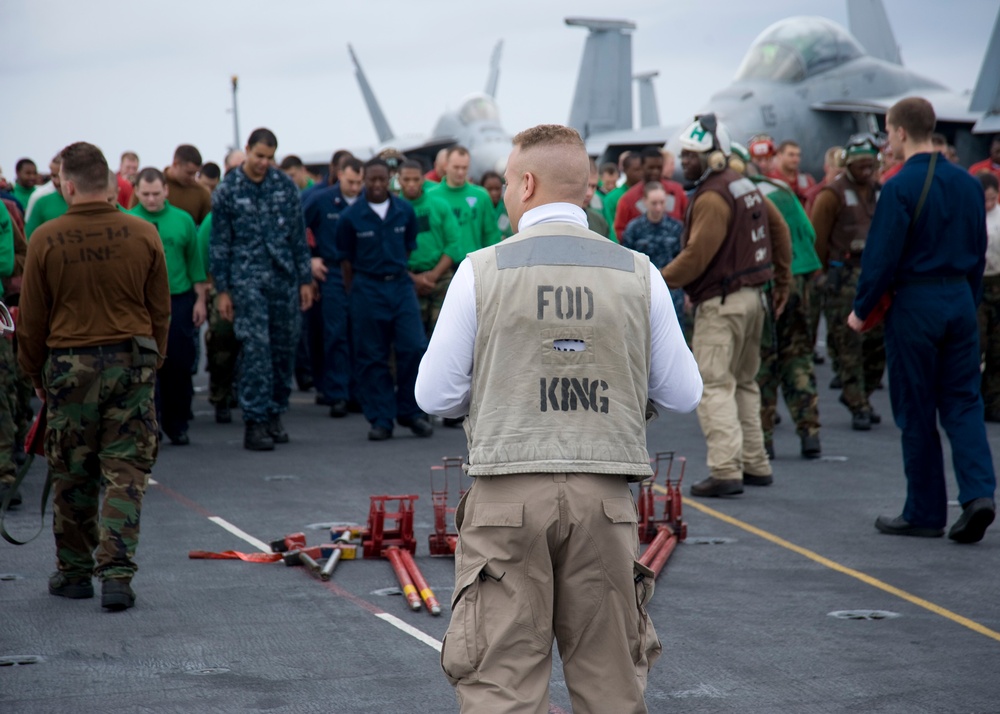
{"x":833,"y":565}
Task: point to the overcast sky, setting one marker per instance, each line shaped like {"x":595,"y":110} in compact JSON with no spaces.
{"x":149,"y":76}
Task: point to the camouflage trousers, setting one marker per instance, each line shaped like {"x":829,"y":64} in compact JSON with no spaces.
{"x":102,"y":433}
{"x":786,"y":361}
{"x":860,"y":358}
{"x":23,"y":394}
{"x":989,"y":343}
{"x":8,"y":410}
{"x":222,"y":352}
{"x":430,"y":305}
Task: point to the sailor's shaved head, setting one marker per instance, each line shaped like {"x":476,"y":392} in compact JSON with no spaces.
{"x":549,"y":164}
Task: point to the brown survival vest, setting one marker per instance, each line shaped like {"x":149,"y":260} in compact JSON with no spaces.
{"x":850,"y":230}
{"x":744,"y":258}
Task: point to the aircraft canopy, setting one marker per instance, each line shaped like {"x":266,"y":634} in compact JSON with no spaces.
{"x":478,"y":107}
{"x":793,"y":49}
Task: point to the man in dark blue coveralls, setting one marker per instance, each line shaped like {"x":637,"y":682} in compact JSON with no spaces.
{"x":323,"y":209}
{"x":935,"y":268}
{"x":374,"y":239}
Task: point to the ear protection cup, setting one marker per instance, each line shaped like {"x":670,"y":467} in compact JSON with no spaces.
{"x":717,"y":161}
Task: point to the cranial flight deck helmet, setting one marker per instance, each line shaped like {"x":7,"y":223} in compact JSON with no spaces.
{"x":707,"y":137}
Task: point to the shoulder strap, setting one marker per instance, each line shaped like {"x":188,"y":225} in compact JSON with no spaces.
{"x":924,"y":192}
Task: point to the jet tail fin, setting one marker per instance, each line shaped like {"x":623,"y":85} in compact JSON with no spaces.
{"x":374,"y":110}
{"x":649,"y":114}
{"x":870,"y":25}
{"x":494,"y":76}
{"x":603,"y":97}
{"x":986,"y":95}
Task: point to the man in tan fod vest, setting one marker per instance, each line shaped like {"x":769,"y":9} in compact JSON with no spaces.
{"x":554,"y":345}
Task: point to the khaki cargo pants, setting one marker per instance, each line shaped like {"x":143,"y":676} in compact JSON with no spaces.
{"x":542,"y":556}
{"x":726,"y":346}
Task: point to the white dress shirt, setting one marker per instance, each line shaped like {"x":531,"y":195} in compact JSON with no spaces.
{"x":444,"y":382}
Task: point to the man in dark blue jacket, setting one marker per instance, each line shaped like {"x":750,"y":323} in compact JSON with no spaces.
{"x":260,"y":263}
{"x":323,"y":209}
{"x":374,"y":239}
{"x":934,"y":265}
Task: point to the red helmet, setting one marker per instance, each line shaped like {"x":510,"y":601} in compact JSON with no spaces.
{"x":762,"y":146}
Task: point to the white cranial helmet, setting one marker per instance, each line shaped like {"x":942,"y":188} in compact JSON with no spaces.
{"x":705,"y":135}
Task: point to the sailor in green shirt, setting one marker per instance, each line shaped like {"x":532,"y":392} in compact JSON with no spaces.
{"x":632,"y":167}
{"x":493,"y":183}
{"x":188,"y":287}
{"x":471,"y":204}
{"x":45,"y":209}
{"x":27,"y":179}
{"x":439,"y":244}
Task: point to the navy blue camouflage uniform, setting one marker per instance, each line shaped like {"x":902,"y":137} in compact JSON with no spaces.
{"x":258,"y":254}
{"x":931,"y":340}
{"x":385,"y":314}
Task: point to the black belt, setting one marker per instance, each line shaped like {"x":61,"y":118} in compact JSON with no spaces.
{"x":124,"y":346}
{"x":382,"y":277}
{"x":931,"y":280}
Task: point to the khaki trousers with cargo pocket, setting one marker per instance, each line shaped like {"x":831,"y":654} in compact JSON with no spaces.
{"x":726,"y":346}
{"x":543,"y":556}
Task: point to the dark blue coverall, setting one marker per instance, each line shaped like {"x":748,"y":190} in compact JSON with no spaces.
{"x":322,"y":210}
{"x":931,"y":334}
{"x":385,"y":314}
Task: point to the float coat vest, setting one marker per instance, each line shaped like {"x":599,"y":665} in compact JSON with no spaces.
{"x":744,"y":258}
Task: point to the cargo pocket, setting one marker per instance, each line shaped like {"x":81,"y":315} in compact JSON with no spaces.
{"x":648,"y":647}
{"x":465,"y":642}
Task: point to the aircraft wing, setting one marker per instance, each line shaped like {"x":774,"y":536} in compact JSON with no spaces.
{"x":948,"y":106}
{"x":597,"y":144}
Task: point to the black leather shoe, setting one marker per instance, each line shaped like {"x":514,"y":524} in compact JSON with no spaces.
{"x":223,"y":415}
{"x":835,"y":383}
{"x":15,"y":499}
{"x":305,"y":382}
{"x":810,"y":446}
{"x":378,"y":433}
{"x":717,"y":487}
{"x":769,"y":449}
{"x":276,"y":430}
{"x":452,"y":423}
{"x":117,"y":595}
{"x":976,"y":517}
{"x":338,"y":409}
{"x":755,"y":480}
{"x":861,"y":421}
{"x":179,"y":439}
{"x":898,"y":526}
{"x":875,"y":417}
{"x":419,"y":426}
{"x":75,"y":588}
{"x":256,"y":438}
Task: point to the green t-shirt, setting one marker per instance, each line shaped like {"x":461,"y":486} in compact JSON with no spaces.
{"x":185,"y":265}
{"x":474,"y":210}
{"x":6,"y":244}
{"x":610,"y":202}
{"x":46,"y":208}
{"x":439,"y":234}
{"x":503,"y":221}
{"x":22,"y":195}
{"x":804,"y":258}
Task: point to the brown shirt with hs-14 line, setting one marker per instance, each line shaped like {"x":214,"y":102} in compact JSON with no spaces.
{"x":95,"y":276}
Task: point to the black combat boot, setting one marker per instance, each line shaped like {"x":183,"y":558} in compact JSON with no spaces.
{"x":276,"y":429}
{"x":256,"y":437}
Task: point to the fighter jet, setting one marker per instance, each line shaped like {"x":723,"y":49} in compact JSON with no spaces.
{"x":806,"y":78}
{"x":475,"y":125}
